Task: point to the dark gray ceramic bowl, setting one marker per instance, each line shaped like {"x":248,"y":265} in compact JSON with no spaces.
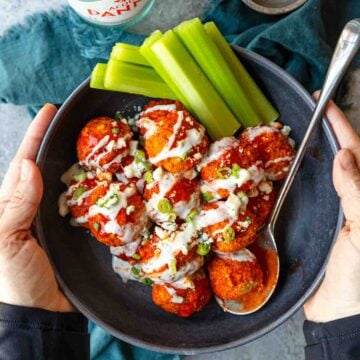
{"x":308,"y":225}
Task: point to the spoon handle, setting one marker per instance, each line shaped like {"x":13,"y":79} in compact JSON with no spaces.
{"x":346,"y":48}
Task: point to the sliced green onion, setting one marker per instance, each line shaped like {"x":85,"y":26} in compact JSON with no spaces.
{"x":135,"y":271}
{"x":147,"y":166}
{"x":248,"y":219}
{"x":98,"y":76}
{"x":96,"y":226}
{"x":164,"y":206}
{"x":169,"y":56}
{"x":172,"y":217}
{"x":136,"y":79}
{"x":256,"y":97}
{"x":242,"y":195}
{"x":136,"y":256}
{"x":235,"y":170}
{"x":228,"y":233}
{"x":172,"y":266}
{"x":115,"y":130}
{"x":203,"y":249}
{"x":191,"y":216}
{"x":148,"y":177}
{"x":147,"y":281}
{"x":119,"y":115}
{"x":128,"y":53}
{"x":207,"y":196}
{"x":80,"y":177}
{"x":220,"y":172}
{"x":78,"y":192}
{"x":140,"y":156}
{"x":111,"y":201}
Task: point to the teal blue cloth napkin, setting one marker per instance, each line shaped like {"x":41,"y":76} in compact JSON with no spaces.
{"x":47,"y":57}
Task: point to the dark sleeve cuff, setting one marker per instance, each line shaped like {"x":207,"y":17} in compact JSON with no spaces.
{"x":31,"y":333}
{"x":338,"y":339}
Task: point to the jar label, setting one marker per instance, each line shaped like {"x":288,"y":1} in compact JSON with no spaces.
{"x":108,"y":11}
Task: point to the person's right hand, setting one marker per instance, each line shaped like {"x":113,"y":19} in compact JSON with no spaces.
{"x":339,"y":294}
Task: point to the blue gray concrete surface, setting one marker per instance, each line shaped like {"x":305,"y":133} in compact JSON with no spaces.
{"x":284,"y":343}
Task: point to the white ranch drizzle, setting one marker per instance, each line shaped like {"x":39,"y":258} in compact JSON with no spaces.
{"x":123,"y":269}
{"x":103,"y":148}
{"x":168,"y":107}
{"x":175,"y":298}
{"x":217,"y":149}
{"x":280,"y":159}
{"x":254,"y":132}
{"x":125,"y":232}
{"x":242,"y":255}
{"x":167,"y":248}
{"x":128,"y":249}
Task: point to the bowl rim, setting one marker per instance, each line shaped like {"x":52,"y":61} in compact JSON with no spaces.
{"x":183,"y":350}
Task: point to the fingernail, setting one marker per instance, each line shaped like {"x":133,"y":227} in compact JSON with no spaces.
{"x":316,"y":94}
{"x":25,"y":170}
{"x":347,"y":160}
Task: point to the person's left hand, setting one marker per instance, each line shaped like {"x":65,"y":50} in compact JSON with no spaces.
{"x":26,"y":276}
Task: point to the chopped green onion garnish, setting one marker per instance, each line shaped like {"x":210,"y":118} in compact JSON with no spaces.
{"x":115,"y":130}
{"x":147,"y":166}
{"x":235,"y":170}
{"x":119,"y":115}
{"x":147,"y":281}
{"x":207,"y":196}
{"x":135,"y":271}
{"x":80,"y":177}
{"x":229,"y":233}
{"x":242,"y":195}
{"x":223,"y":173}
{"x":136,"y":256}
{"x":111,"y":201}
{"x":172,"y":266}
{"x":140,"y":156}
{"x":248,"y":219}
{"x":96,"y":226}
{"x":203,"y":249}
{"x":191,"y":216}
{"x":172,"y":217}
{"x":164,"y":206}
{"x":78,"y":192}
{"x":148,"y":177}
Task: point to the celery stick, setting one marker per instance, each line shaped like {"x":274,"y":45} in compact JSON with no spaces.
{"x":168,"y":55}
{"x":215,"y":67}
{"x":257,"y":98}
{"x":128,"y":53}
{"x":146,"y":52}
{"x":135,"y":79}
{"x":97,"y":76}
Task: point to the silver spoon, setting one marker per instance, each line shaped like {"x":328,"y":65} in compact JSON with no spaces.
{"x":346,"y":48}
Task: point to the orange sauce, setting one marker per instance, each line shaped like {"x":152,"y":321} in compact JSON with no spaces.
{"x":268,"y":262}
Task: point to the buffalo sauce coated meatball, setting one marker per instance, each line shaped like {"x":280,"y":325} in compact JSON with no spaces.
{"x":118,"y":216}
{"x":229,"y":224}
{"x":223,"y":171}
{"x":170,"y":197}
{"x":234,"y":275}
{"x":271,"y":146}
{"x":170,"y":255}
{"x":173,"y":138}
{"x":103,"y":143}
{"x":184,"y":297}
{"x":80,"y":196}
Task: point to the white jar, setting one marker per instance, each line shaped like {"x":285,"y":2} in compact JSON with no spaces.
{"x":112,"y":12}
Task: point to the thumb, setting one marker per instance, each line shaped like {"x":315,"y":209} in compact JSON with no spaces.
{"x":21,"y":209}
{"x":346,"y":176}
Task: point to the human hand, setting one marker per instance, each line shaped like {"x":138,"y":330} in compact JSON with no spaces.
{"x":26,"y":276}
{"x":339,"y":294}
